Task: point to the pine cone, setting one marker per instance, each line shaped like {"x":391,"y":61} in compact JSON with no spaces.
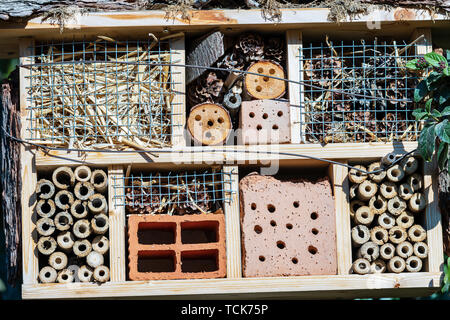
{"x":201,"y":197}
{"x":322,"y":70}
{"x":250,"y":47}
{"x":142,"y":200}
{"x":208,"y":88}
{"x":274,"y":50}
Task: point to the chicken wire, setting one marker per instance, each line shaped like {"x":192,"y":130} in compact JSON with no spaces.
{"x":102,"y":93}
{"x":174,"y":193}
{"x":357,"y":92}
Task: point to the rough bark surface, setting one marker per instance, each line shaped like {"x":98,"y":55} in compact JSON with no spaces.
{"x":10,"y":184}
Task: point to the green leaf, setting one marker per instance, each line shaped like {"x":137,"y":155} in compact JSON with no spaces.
{"x":427,"y":141}
{"x":445,"y":287}
{"x":434,"y":58}
{"x":412,"y":64}
{"x":444,"y":95}
{"x":432,"y":78}
{"x":446,"y":71}
{"x":421,"y":91}
{"x":2,"y":286}
{"x":435,"y":113}
{"x":428,"y":105}
{"x":443,"y":131}
{"x":419,"y":114}
{"x":442,"y":154}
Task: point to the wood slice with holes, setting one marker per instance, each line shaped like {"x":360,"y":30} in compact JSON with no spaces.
{"x":260,"y":87}
{"x":209,"y":124}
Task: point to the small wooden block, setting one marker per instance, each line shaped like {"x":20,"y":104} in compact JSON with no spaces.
{"x":264,"y":122}
{"x":260,"y":87}
{"x":209,"y":124}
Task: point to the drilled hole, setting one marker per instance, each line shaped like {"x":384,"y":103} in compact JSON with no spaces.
{"x":312,"y":249}
{"x":260,"y":70}
{"x":417,"y":233}
{"x":397,"y":264}
{"x":396,"y":205}
{"x":259,"y":127}
{"x":58,"y":260}
{"x":258,"y":88}
{"x":289,"y":226}
{"x":275,"y":127}
{"x":45,"y":208}
{"x":413,"y":263}
{"x":253,"y":206}
{"x":101,"y":273}
{"x":271,"y":208}
{"x":265,"y":116}
{"x":82,"y":247}
{"x":271,"y":71}
{"x":220,"y":120}
{"x":47,"y":274}
{"x":251,"y":114}
{"x":210,"y":123}
{"x":294,"y":260}
{"x":315,"y":231}
{"x":389,"y":189}
{"x":266,"y":79}
{"x":296,"y":204}
{"x":198,"y":117}
{"x":281,"y":244}
{"x":314,"y":215}
{"x":97,"y":203}
{"x":280,"y":113}
{"x":258,"y":229}
{"x":64,"y":277}
{"x":273,"y":223}
{"x":262,"y":258}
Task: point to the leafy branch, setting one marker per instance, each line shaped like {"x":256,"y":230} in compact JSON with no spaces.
{"x":433,"y":93}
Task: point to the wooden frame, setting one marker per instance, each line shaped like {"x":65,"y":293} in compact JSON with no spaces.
{"x":342,"y":285}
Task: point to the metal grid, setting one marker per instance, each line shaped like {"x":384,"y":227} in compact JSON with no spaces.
{"x":174,"y":193}
{"x":381,"y":106}
{"x":102,"y":93}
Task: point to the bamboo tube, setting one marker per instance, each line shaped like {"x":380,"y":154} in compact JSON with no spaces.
{"x":79,"y":209}
{"x":82,"y":173}
{"x":409,"y":165}
{"x":45,"y":226}
{"x":397,"y":235}
{"x":405,"y":191}
{"x":386,"y":221}
{"x":413,"y":264}
{"x":387,"y":251}
{"x":361,"y":266}
{"x":94,"y":259}
{"x":65,"y":276}
{"x":404,"y":249}
{"x":364,"y":216}
{"x":379,"y":235}
{"x":83,"y":190}
{"x":396,"y":206}
{"x":64,"y":199}
{"x":378,"y":204}
{"x":369,"y":251}
{"x":101,"y":273}
{"x":100,"y":244}
{"x":45,"y":208}
{"x":65,"y":240}
{"x":378,"y":266}
{"x":388,"y":159}
{"x":417,"y":233}
{"x":97,"y":204}
{"x":415,"y":181}
{"x":367,"y":190}
{"x":388,"y":189}
{"x":396,"y":264}
{"x":82,"y":229}
{"x":63,"y":178}
{"x":355,"y":176}
{"x":81,"y":248}
{"x":58,"y":260}
{"x":420,"y":250}
{"x":45,"y":189}
{"x":100,"y":224}
{"x":405,"y":220}
{"x":99,"y":180}
{"x":46,"y":245}
{"x":417,"y":202}
{"x":360,"y":235}
{"x":354,"y":206}
{"x":73,"y":268}
{"x":353,"y":190}
{"x":376,"y":177}
{"x":395,"y":173}
{"x":85,"y":274}
{"x":48,"y":275}
{"x":63,"y":221}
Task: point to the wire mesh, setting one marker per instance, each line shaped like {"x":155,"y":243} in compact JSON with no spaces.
{"x":379,"y":106}
{"x":83,"y":94}
{"x":174,"y":193}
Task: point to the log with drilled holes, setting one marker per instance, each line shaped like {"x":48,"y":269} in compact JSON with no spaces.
{"x":263,"y":86}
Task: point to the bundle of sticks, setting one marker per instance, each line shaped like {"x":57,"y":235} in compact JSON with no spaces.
{"x":73,"y":226}
{"x":102,"y":94}
{"x":173,"y":194}
{"x":386,"y":208}
{"x":378,"y":86}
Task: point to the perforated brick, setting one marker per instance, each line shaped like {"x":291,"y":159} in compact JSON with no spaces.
{"x":176,"y":247}
{"x":288,"y":228}
{"x":265,"y":122}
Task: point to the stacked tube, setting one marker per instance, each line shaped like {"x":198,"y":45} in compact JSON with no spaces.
{"x":72,"y":226}
{"x":385,"y":208}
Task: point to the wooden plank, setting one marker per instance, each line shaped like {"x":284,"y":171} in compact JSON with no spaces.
{"x":424,"y":45}
{"x":433,"y":224}
{"x":341,"y":286}
{"x":117,"y":224}
{"x":343,"y":227}
{"x":177,"y":48}
{"x":233,"y":223}
{"x":28,"y":172}
{"x":296,"y":97}
{"x":231,"y":154}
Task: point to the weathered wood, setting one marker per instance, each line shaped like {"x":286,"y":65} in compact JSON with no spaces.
{"x":10,"y":184}
{"x":204,"y":51}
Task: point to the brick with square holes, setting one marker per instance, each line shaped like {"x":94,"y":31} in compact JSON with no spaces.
{"x":288,"y":228}
{"x":176,"y":247}
{"x":264,"y":122}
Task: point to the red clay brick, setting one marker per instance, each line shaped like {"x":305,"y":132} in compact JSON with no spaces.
{"x":176,"y":247}
{"x":264,"y":122}
{"x":288,"y":228}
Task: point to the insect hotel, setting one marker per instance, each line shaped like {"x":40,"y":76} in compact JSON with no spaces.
{"x":227,"y":155}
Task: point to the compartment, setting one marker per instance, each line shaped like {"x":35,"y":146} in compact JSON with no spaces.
{"x":157,"y":233}
{"x":156,"y":261}
{"x":199,"y":232}
{"x":199,"y":261}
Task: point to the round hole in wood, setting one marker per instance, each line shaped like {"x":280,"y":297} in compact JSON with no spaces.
{"x":258,"y":229}
{"x":289,"y":226}
{"x":315,"y":231}
{"x":275,"y":127}
{"x":259,"y":127}
{"x":260,"y":70}
{"x":296,"y":204}
{"x":210,"y":122}
{"x":271,"y":71}
{"x":258,"y":88}
{"x":314,"y":215}
{"x":273,"y":223}
{"x":280,"y":113}
{"x":198,"y":117}
{"x":281,"y":245}
{"x":253,"y":206}
{"x":220,"y":120}
{"x":271,"y":208}
{"x":262,"y":258}
{"x":251,"y":115}
{"x":265,"y":116}
{"x":312,"y":249}
{"x":294,"y":260}
{"x":266,"y":79}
